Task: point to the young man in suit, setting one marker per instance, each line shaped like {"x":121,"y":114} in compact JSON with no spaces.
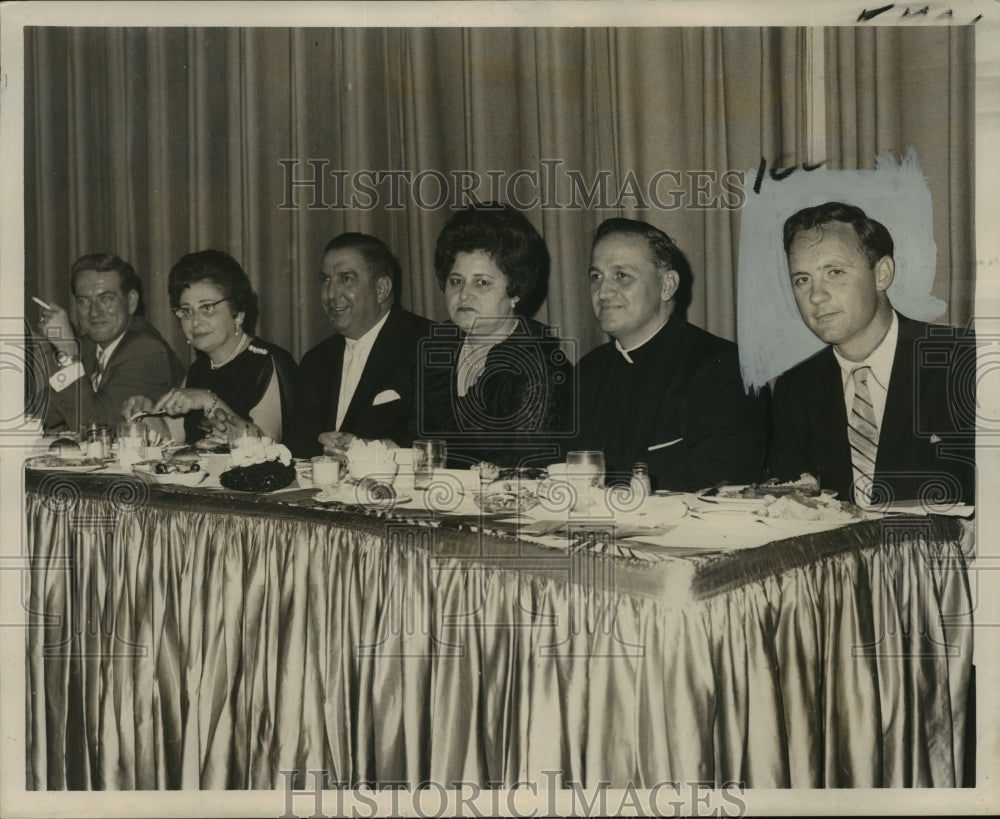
{"x":117,"y":355}
{"x":879,"y":414}
{"x":360,"y":382}
{"x":662,"y":392}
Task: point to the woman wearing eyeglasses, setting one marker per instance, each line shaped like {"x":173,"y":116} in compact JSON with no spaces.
{"x":235,"y":375}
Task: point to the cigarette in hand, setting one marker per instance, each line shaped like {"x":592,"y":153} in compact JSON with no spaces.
{"x":41,"y":303}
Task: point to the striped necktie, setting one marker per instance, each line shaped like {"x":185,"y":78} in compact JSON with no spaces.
{"x":862,"y":432}
{"x":95,"y":378}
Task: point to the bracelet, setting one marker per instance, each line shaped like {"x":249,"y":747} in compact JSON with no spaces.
{"x":215,"y":403}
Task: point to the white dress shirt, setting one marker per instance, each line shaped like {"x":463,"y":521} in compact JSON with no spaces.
{"x":103,"y":356}
{"x":880,"y":360}
{"x":356,"y":352}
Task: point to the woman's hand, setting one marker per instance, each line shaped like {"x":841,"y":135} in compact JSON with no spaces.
{"x":182,"y":400}
{"x":224,"y":420}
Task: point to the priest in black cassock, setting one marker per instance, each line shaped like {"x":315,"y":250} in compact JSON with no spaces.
{"x":662,"y":392}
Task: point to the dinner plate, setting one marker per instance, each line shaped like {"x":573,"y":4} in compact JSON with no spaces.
{"x":734,"y":503}
{"x":56,"y":464}
{"x":145,"y":470}
{"x":349,"y":494}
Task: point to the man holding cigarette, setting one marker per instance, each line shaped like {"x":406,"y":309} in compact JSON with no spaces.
{"x":118,"y":353}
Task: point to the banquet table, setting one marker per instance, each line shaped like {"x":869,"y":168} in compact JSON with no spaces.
{"x":180,"y":638}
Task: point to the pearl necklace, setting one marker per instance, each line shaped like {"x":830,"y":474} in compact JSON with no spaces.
{"x":243,"y":343}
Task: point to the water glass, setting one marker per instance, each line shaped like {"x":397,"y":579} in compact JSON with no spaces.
{"x":131,"y":443}
{"x":585,"y":468}
{"x":428,"y":454}
{"x":326,"y":471}
{"x":244,"y":438}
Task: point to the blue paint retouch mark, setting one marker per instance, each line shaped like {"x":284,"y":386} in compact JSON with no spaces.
{"x":771,"y":334}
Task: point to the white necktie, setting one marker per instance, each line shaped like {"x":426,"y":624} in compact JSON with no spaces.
{"x":862,"y":433}
{"x":350,"y":376}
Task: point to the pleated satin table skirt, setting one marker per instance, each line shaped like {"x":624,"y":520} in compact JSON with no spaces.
{"x":179,"y":640}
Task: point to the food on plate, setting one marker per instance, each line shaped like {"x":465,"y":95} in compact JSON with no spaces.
{"x":176,"y":467}
{"x":184,"y":455}
{"x":212,"y":443}
{"x":60,"y":462}
{"x":65,"y":448}
{"x":184,"y":473}
{"x":507,"y":496}
{"x":805,"y":486}
{"x":371,"y":458}
{"x":491,"y":472}
{"x":822,"y":507}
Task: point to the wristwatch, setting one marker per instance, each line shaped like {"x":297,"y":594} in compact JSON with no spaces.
{"x":64,"y":359}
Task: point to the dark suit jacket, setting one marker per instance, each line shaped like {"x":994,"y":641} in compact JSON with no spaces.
{"x":392,"y":366}
{"x":684,"y":390}
{"x":926,"y":443}
{"x":515,"y":414}
{"x":142,"y":364}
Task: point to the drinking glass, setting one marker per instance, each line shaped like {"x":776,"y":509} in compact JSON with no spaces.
{"x":326,"y":471}
{"x":244,"y":438}
{"x":131,"y":443}
{"x":585,"y":468}
{"x":428,"y":454}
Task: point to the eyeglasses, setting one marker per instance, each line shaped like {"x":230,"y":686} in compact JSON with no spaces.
{"x":205,"y":309}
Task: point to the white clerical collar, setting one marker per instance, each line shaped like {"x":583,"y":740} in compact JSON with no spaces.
{"x":880,"y":359}
{"x":646,"y":340}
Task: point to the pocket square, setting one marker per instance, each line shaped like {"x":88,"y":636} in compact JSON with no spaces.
{"x":935,"y":439}
{"x":385,"y":397}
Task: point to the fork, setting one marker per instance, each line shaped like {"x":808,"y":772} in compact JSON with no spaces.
{"x":147,"y":414}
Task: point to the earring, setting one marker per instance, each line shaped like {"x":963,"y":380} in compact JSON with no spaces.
{"x":514,"y":301}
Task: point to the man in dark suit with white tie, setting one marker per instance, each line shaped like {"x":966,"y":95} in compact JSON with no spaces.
{"x":118,"y":353}
{"x":887,"y":411}
{"x":361,"y":381}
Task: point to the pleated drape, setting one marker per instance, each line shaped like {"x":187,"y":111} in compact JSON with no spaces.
{"x":174,"y":644}
{"x":891,"y":88}
{"x":155,"y":142}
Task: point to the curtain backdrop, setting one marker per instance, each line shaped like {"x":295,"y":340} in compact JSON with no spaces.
{"x":891,"y":88}
{"x":155,"y":142}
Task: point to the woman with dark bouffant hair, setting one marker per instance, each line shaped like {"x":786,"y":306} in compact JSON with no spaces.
{"x":494,"y":383}
{"x":236,"y":377}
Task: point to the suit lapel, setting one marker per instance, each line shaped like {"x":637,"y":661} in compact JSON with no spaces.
{"x":833,"y":412}
{"x":900,"y":402}
{"x":336,"y":368}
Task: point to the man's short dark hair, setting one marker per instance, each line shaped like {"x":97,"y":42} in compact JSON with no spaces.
{"x":380,"y":260}
{"x":873,"y":236}
{"x":106,"y":263}
{"x":508,"y":238}
{"x":666,"y":254}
